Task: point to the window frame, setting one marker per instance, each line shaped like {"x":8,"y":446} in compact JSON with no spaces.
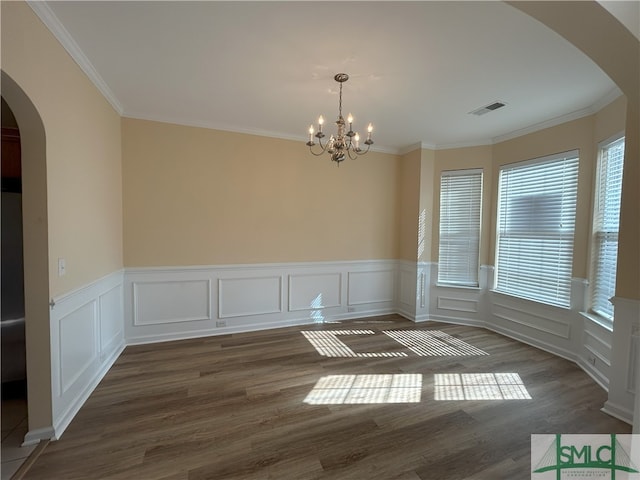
{"x":599,"y":205}
{"x":472,"y":281}
{"x":566,"y":210}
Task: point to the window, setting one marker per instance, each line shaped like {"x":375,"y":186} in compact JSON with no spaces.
{"x":605,"y":226}
{"x":536,"y":223}
{"x":460,"y":209}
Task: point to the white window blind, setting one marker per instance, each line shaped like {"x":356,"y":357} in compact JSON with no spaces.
{"x":536,"y":223}
{"x":460,"y":212}
{"x":606,"y":222}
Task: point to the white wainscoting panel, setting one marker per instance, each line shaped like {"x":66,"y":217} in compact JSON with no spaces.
{"x":314,"y":291}
{"x":624,"y":359}
{"x":523,"y":316}
{"x":595,"y":358}
{"x":111,"y":321}
{"x":634,"y":360}
{"x":408,"y":288}
{"x":457,"y":304}
{"x":171,"y":301}
{"x":413,"y":290}
{"x":252,"y":297}
{"x":87,"y":336}
{"x":240,"y":297}
{"x":78,"y":343}
{"x":372,"y":286}
{"x":453,"y":303}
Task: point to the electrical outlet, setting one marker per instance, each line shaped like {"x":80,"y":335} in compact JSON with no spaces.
{"x":592,"y":359}
{"x":62,"y":266}
{"x":221,"y":323}
{"x":351,"y":309}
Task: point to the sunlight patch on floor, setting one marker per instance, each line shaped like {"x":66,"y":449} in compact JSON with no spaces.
{"x":432,"y":343}
{"x":479,"y":386}
{"x":365,"y":389}
{"x":328,"y":344}
{"x":425,"y":343}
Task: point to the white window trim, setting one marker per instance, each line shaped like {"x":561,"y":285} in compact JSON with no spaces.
{"x":591,"y":314}
{"x":461,"y":173}
{"x":516,"y":165}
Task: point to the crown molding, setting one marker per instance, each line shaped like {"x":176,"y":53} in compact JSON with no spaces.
{"x":449,"y":146}
{"x":235,"y":129}
{"x":416,"y":146}
{"x":590,"y":110}
{"x":51,"y":21}
{"x":611,"y":96}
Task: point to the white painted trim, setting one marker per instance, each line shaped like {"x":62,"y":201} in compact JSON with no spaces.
{"x":552,"y":122}
{"x":94,"y":306}
{"x":288,"y":266}
{"x":595,"y":374}
{"x":535,"y":342}
{"x":595,"y":353}
{"x":290,"y":289}
{"x":424,"y":290}
{"x":460,"y":321}
{"x":238,"y":129}
{"x":33,"y":437}
{"x":247,"y":313}
{"x":374,"y":282}
{"x":61,"y":424}
{"x":441,"y":305}
{"x":472,"y":143}
{"x":618,"y":411}
{"x":86,"y":293}
{"x":566,"y":326}
{"x":55,"y":26}
{"x":136,"y":295}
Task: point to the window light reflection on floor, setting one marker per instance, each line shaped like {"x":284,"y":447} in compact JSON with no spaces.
{"x":366,"y":389}
{"x":425,"y":343}
{"x":479,"y":386}
{"x":433,"y":343}
{"x":328,"y":344}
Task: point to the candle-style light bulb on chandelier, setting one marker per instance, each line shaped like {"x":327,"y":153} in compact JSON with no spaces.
{"x":345,"y":143}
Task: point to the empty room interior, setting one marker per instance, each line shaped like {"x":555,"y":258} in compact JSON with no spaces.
{"x":317,"y":240}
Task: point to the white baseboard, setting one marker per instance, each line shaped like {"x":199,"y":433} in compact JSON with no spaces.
{"x":618,"y":411}
{"x":72,"y":410}
{"x":33,"y":437}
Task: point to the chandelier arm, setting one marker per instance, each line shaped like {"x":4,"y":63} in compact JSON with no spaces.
{"x":362,"y":152}
{"x":323,"y":149}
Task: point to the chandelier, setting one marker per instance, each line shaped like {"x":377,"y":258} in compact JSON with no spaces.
{"x":345,"y":143}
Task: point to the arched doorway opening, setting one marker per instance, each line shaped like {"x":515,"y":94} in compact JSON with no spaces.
{"x":12,"y":336}
{"x":36,"y":260}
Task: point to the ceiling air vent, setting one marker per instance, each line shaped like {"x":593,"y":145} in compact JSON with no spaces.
{"x":488,"y":108}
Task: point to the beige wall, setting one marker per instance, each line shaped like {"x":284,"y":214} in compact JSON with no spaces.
{"x":82,"y":153}
{"x":427,"y":180}
{"x":195,"y":196}
{"x":408,"y":211}
{"x":72,"y":194}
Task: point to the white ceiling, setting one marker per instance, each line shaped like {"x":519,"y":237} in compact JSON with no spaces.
{"x":417,"y":68}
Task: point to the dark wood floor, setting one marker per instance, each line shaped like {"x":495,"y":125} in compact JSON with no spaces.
{"x":233,"y":407}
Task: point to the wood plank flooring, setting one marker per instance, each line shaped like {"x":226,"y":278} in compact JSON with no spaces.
{"x":233,"y":407}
